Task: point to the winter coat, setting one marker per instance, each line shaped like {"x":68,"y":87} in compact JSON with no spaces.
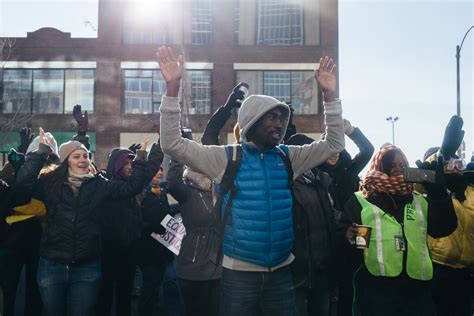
{"x":345,"y":173}
{"x":148,"y":250}
{"x":259,"y":230}
{"x":457,"y":249}
{"x":314,"y":222}
{"x":120,"y":219}
{"x":72,"y":232}
{"x":198,"y":254}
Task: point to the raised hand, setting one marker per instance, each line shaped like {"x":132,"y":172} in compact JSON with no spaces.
{"x":326,"y":78}
{"x":144,"y":144}
{"x":171,"y":68}
{"x":26,"y":137}
{"x":81,"y":118}
{"x":45,"y":140}
{"x":134,"y":147}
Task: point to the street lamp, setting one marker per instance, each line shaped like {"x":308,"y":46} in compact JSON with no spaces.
{"x":392,"y":120}
{"x":458,"y":81}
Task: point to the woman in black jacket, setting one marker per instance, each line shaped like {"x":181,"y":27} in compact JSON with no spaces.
{"x":69,"y":270}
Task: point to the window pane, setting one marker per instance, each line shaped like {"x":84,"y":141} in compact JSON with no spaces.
{"x":48,"y":91}
{"x":280,"y":22}
{"x":17,"y":91}
{"x":159,"y":89}
{"x":138,"y":91}
{"x":200,"y":92}
{"x":277,"y":84}
{"x":79,"y":89}
{"x":295,"y":87}
{"x":254,"y":79}
{"x":304,"y":92}
{"x":201,"y":22}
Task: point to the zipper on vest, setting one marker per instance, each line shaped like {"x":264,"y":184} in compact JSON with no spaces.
{"x":267,"y":201}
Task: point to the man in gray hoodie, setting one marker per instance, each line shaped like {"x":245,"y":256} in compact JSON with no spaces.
{"x":258,"y":234}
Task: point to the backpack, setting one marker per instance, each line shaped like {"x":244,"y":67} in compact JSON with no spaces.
{"x":234,"y":157}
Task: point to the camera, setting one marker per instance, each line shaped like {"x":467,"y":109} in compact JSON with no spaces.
{"x":186,"y":132}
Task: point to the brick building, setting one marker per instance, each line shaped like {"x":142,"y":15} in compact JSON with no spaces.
{"x":271,"y":44}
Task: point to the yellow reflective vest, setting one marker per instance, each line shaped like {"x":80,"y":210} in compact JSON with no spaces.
{"x":390,"y":241}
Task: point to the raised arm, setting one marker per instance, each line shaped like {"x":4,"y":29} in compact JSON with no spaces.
{"x":309,"y":156}
{"x":82,"y":121}
{"x":209,"y":160}
{"x":220,"y":117}
{"x":365,"y":147}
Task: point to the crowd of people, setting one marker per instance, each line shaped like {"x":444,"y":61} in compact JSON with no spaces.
{"x":274,"y":222}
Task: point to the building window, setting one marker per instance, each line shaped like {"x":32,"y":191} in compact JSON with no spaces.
{"x":165,"y":22}
{"x":200,"y":91}
{"x":295,"y":87}
{"x":280,"y":22}
{"x":48,"y":91}
{"x":277,"y":22}
{"x":201,"y":22}
{"x":143,"y":90}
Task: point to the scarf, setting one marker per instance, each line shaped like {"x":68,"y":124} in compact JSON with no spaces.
{"x":376,"y":181}
{"x":75,"y":180}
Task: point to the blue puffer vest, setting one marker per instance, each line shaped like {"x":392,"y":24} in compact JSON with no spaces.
{"x":259,"y":229}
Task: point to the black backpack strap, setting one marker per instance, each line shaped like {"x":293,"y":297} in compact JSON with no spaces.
{"x":234,"y":156}
{"x":283,"y":152}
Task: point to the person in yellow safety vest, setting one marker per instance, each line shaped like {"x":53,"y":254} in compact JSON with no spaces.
{"x":396,"y":268}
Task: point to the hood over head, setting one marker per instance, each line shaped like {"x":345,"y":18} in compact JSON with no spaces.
{"x":117,"y":159}
{"x":254,"y":107}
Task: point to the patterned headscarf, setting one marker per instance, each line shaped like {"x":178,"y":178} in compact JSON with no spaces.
{"x":377,"y":178}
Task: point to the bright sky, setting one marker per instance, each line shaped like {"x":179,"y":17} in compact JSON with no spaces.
{"x":396,"y":58}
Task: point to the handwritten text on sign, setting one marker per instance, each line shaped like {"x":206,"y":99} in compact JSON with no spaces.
{"x":174,"y":234}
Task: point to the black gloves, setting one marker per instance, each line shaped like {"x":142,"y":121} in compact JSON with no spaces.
{"x":457,"y":184}
{"x":81,"y":119}
{"x":453,"y":136}
{"x":438,"y":189}
{"x":26,"y":137}
{"x":235,"y":98}
{"x":16,"y":159}
{"x":134,"y":147}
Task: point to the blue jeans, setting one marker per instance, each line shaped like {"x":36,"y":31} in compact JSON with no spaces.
{"x":262,"y":293}
{"x":69,"y":289}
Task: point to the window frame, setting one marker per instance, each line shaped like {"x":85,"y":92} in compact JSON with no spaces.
{"x":32,"y":92}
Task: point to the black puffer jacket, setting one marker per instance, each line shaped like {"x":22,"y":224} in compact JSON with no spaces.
{"x":314,"y":222}
{"x":345,"y":173}
{"x":120,"y":219}
{"x":72,"y":232}
{"x":147,"y":250}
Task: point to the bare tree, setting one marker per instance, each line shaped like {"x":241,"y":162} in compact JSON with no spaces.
{"x":11,"y":122}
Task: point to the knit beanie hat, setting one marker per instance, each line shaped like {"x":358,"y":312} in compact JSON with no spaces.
{"x":68,"y":147}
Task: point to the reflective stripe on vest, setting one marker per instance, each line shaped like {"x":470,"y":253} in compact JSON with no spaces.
{"x":382,"y":258}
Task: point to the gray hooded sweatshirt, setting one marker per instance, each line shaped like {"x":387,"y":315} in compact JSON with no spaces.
{"x":212,"y":160}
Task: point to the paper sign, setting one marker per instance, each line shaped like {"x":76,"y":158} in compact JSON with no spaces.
{"x":174,"y":234}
